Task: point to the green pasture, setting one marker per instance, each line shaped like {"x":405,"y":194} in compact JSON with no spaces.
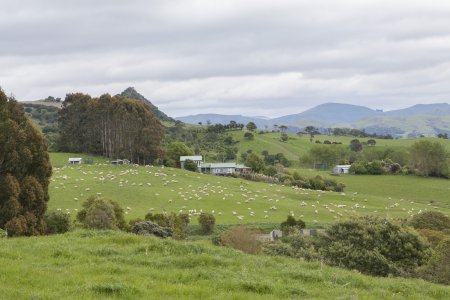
{"x":116,"y":265}
{"x":141,"y":189}
{"x":298,"y":145}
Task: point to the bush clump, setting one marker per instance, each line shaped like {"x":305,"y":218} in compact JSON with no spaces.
{"x":291,"y":224}
{"x":432,"y":220}
{"x":150,"y":228}
{"x":190,"y":165}
{"x":3,"y":233}
{"x":438,"y":268}
{"x":57,"y":222}
{"x":99,"y":213}
{"x":177,"y":223}
{"x":207,"y":223}
{"x":374,"y":246}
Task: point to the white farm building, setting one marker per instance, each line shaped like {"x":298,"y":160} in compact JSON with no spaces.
{"x":75,"y":160}
{"x":341,"y":169}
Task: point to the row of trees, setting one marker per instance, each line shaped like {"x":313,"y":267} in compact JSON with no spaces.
{"x":115,"y":127}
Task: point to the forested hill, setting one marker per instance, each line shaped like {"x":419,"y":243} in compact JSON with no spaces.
{"x":133,"y":94}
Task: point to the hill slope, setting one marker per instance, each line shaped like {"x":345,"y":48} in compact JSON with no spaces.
{"x":114,"y":265}
{"x":235,"y":201}
{"x":133,"y":94}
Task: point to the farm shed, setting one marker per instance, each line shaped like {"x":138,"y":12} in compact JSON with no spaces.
{"x":341,"y":169}
{"x":120,"y":162}
{"x":75,"y":160}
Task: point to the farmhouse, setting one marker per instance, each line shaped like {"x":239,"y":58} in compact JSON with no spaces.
{"x":197,"y":159}
{"x":223,"y":169}
{"x":75,"y":160}
{"x":341,"y":169}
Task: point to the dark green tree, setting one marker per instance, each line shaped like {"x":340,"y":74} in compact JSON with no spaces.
{"x":255,"y":162}
{"x":190,"y":165}
{"x":249,"y":135}
{"x":25,"y":171}
{"x":356,"y":145}
{"x":175,"y":150}
{"x":251,"y":126}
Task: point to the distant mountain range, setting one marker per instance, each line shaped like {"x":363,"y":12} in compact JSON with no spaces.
{"x":426,"y":119}
{"x":420,"y":119}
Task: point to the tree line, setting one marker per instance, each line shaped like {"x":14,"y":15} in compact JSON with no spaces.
{"x":111,"y":126}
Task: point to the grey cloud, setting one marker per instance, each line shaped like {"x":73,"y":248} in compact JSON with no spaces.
{"x":278,"y":57}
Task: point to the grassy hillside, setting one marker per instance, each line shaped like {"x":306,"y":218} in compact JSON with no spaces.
{"x":157,"y":189}
{"x":114,"y":265}
{"x":298,"y":145}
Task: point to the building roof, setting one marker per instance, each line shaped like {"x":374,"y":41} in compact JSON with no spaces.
{"x":194,"y":158}
{"x":218,"y":165}
{"x":343,"y":166}
{"x":75,"y":159}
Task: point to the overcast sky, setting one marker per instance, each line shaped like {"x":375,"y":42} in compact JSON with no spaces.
{"x":266,"y":58}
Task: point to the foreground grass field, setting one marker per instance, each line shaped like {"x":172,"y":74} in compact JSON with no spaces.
{"x":114,"y":265}
{"x":155,"y":189}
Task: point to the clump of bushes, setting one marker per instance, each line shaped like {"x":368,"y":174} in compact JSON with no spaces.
{"x":99,"y":213}
{"x":432,"y":220}
{"x":434,"y":237}
{"x":150,"y":228}
{"x":207,"y":223}
{"x":374,"y":246}
{"x":291,"y":224}
{"x":57,"y":222}
{"x":177,"y":223}
{"x":319,"y":183}
{"x":190,"y":165}
{"x":438,"y":268}
{"x":372,"y":168}
{"x":294,"y":245}
{"x":243,"y":239}
{"x":3,"y":233}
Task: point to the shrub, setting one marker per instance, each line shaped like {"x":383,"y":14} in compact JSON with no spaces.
{"x":278,"y":249}
{"x":99,"y":213}
{"x":373,"y":246}
{"x":433,"y":220}
{"x":438,"y":268}
{"x":57,"y":222}
{"x":270,"y":171}
{"x":248,"y":135}
{"x":150,"y":228}
{"x":207,"y":222}
{"x":243,"y":239}
{"x":3,"y":233}
{"x":177,"y":223}
{"x":292,"y":224}
{"x":434,"y":237}
{"x":395,"y":168}
{"x":190,"y":165}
